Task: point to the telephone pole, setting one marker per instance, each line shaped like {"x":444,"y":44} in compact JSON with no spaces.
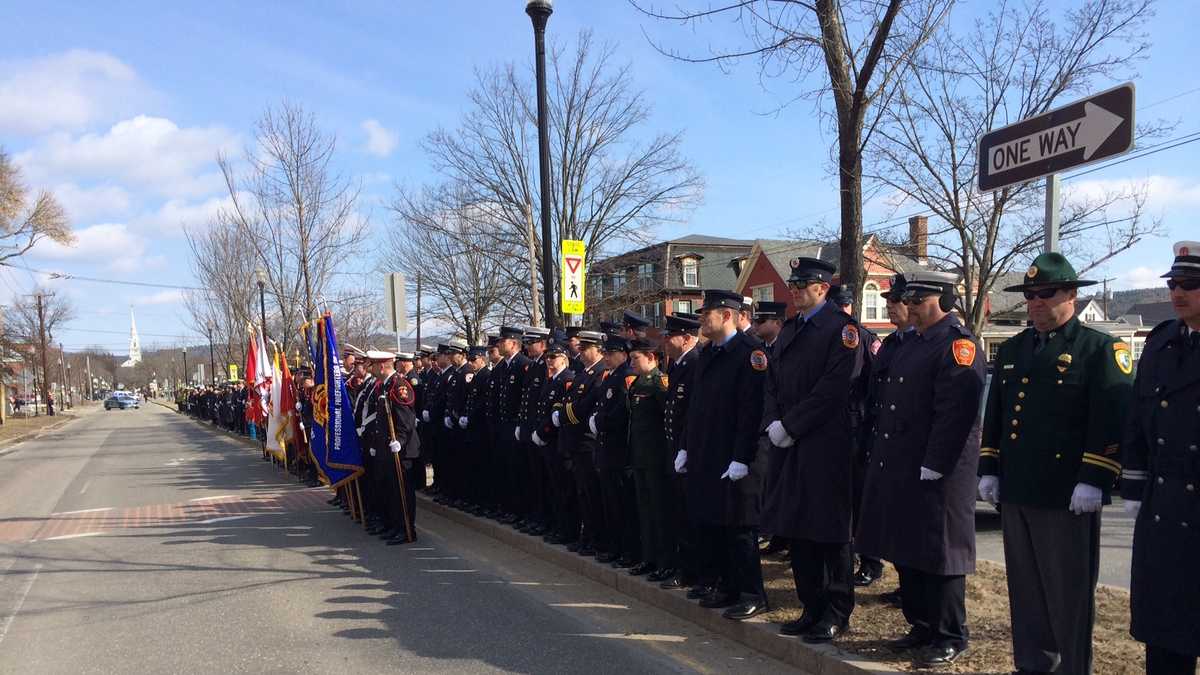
{"x":41,"y":312}
{"x":66,"y":384}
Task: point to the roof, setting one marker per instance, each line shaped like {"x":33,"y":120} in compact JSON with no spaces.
{"x":707,"y":240}
{"x":1152,"y":313}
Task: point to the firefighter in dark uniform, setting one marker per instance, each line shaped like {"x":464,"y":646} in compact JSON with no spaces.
{"x":1057,"y":402}
{"x":633,"y":326}
{"x":808,"y":496}
{"x":721,"y":445}
{"x":392,"y":440}
{"x":682,"y":350}
{"x":572,"y":333}
{"x":618,"y":539}
{"x":532,"y":481}
{"x":768,"y":319}
{"x":431,"y":421}
{"x":544,"y":436}
{"x":472,"y":421}
{"x":1160,"y":480}
{"x":417,"y":378}
{"x":491,"y":458}
{"x":361,"y":385}
{"x":508,"y":410}
{"x":578,"y":442}
{"x":455,"y":399}
{"x":918,"y":507}
{"x":406,"y":367}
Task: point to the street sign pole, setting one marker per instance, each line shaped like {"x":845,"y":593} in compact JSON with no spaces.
{"x":1053,"y":199}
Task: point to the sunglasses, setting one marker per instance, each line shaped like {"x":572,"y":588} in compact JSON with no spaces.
{"x":1185,"y":284}
{"x":801,"y":285}
{"x":914,"y":300}
{"x":1044,"y":294}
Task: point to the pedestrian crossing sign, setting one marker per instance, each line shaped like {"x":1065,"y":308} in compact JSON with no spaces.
{"x":571,"y":262}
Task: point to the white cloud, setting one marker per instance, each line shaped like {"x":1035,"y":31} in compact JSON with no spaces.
{"x":381,"y":141}
{"x":67,"y":91}
{"x":87,"y":204}
{"x":112,"y":245}
{"x":150,"y":153}
{"x":177,"y":214}
{"x":1165,"y":194}
{"x":160,"y":298}
{"x":1139,"y":277}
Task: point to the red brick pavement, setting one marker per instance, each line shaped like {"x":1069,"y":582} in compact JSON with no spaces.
{"x":97,"y":521}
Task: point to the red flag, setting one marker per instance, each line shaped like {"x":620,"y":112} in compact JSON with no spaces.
{"x":287,"y":399}
{"x":252,"y":412}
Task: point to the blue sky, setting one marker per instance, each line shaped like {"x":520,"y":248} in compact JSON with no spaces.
{"x":120,"y":109}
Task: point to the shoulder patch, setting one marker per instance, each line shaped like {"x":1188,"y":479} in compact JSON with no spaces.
{"x":468,"y":377}
{"x":1123,"y":357}
{"x":758,"y":359}
{"x":629,"y":380}
{"x":850,"y":336}
{"x":964,"y":352}
{"x":608,"y":393}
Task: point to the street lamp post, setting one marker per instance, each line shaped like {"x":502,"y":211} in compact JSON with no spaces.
{"x":212,"y":359}
{"x":262,"y":302}
{"x":539,"y":12}
{"x":187,"y":379}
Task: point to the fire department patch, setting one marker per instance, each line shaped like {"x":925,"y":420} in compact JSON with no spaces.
{"x":468,"y":377}
{"x":850,"y":336}
{"x":1123,"y":357}
{"x":663,"y":382}
{"x":629,"y":380}
{"x":758,"y":359}
{"x":964,"y":352}
{"x":402,"y":394}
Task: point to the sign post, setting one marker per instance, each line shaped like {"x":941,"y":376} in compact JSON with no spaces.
{"x":396,"y":306}
{"x":1086,"y":131}
{"x":572,"y":264}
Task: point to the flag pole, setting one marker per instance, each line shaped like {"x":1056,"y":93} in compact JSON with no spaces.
{"x":387,"y":404}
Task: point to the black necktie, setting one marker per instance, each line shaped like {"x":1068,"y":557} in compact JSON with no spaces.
{"x":1040,"y":343}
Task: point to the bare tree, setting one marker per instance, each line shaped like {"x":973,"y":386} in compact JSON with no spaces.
{"x":22,"y":224}
{"x":447,"y":237}
{"x":1013,"y":63}
{"x":224,"y":267}
{"x":863,"y":47}
{"x":30,"y":332}
{"x":607,"y":185}
{"x":298,"y":215}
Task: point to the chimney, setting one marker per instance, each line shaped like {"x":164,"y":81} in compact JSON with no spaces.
{"x":918,"y":237}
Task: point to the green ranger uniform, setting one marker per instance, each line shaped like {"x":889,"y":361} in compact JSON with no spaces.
{"x":1053,"y":419}
{"x":652,"y":463}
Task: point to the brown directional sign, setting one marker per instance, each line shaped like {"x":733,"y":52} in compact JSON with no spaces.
{"x":1096,"y":128}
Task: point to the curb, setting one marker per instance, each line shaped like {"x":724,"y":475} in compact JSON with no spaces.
{"x":756,"y":634}
{"x":9,"y":445}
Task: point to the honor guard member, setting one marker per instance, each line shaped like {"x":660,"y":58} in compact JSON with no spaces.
{"x":417,"y":379}
{"x":472,"y":423}
{"x":406,"y":367}
{"x":633,"y":326}
{"x":681,"y":349}
{"x":544,"y":436}
{"x":360,"y":385}
{"x":578,"y":442}
{"x":392,"y":441}
{"x":1161,"y":478}
{"x":435,"y":405}
{"x":918,"y":507}
{"x":768,"y":321}
{"x":721,"y":440}
{"x":533,"y":490}
{"x":1056,"y":405}
{"x":617,"y":538}
{"x":456,"y":399}
{"x":808,"y":496}
{"x":508,"y":401}
{"x":651,"y":465}
{"x":434,"y":377}
{"x":491,"y":459}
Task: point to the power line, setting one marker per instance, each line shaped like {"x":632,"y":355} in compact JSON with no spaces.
{"x":76,"y":277}
{"x":1152,"y":150}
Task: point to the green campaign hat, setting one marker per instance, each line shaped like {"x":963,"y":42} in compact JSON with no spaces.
{"x":1050,"y":270}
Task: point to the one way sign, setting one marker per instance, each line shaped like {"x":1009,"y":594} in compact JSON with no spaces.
{"x":1083,"y":132}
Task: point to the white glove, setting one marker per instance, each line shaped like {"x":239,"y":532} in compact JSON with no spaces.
{"x":681,"y":461}
{"x":592,"y":425}
{"x":372,"y":451}
{"x":299,"y":407}
{"x":1132,"y":507}
{"x":395,"y":447}
{"x":779,"y":436}
{"x":1086,"y":499}
{"x":517,"y":433}
{"x":462,"y":422}
{"x":448,"y":422}
{"x":554,"y":419}
{"x":989,"y":489}
{"x":736,"y":471}
{"x":425,"y":415}
{"x":537,"y":440}
{"x":930,"y":474}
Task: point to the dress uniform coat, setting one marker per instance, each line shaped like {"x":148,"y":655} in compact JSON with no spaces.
{"x":1162,"y":470}
{"x":928,"y":416}
{"x":723,"y":422}
{"x":617,"y":499}
{"x":529,"y":418}
{"x":809,"y":486}
{"x":576,"y":440}
{"x":560,"y":489}
{"x":508,"y":398}
{"x":475,"y":434}
{"x":647,"y":398}
{"x":389,"y":410}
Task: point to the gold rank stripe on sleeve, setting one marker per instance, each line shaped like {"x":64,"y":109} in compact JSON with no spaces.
{"x":989,"y":452}
{"x":571,"y":413}
{"x":1102,"y":462}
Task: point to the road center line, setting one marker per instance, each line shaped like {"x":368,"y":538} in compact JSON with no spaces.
{"x":71,"y":536}
{"x":204,"y":499}
{"x":224,"y":519}
{"x":71,"y":513}
{"x":85,"y":487}
{"x":20,"y":603}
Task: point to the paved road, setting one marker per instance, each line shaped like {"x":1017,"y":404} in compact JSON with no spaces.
{"x":141,"y":542}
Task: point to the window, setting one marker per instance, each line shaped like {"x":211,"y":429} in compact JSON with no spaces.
{"x":691,"y":272}
{"x":646,"y":270}
{"x":618,"y":282}
{"x":763,"y":293}
{"x":993,"y":349}
{"x":871,"y":303}
{"x":684,"y":306}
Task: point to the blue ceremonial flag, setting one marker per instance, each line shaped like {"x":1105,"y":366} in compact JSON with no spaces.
{"x":318,"y":436}
{"x":342,"y":449}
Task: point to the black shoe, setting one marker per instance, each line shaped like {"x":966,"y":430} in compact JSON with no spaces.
{"x":639,"y":570}
{"x":586,"y":551}
{"x":746,"y":609}
{"x":864,"y":577}
{"x":336,"y":501}
{"x":391,"y":534}
{"x":892,"y":598}
{"x":675,"y":583}
{"x":376,"y":530}
{"x":625,"y":561}
{"x":915,"y":639}
{"x":661,"y":575}
{"x":774,"y":547}
{"x":699,"y":592}
{"x":401,"y":539}
{"x":799,"y":626}
{"x":719,"y":599}
{"x":935,"y":656}
{"x":606,"y":558}
{"x":824,"y":631}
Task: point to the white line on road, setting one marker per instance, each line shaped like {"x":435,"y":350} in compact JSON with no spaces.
{"x":432,"y":557}
{"x":70,"y":536}
{"x":426,"y":548}
{"x":20,"y":603}
{"x":642,"y":637}
{"x":71,"y":513}
{"x":85,"y":487}
{"x":204,"y":499}
{"x":221,"y":520}
{"x":588,"y":605}
{"x":447,"y":571}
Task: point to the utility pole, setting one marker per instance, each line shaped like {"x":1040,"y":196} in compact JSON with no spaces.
{"x":41,"y":312}
{"x":91,"y":384}
{"x":418,"y":312}
{"x":66,"y":387}
{"x":535,"y":315}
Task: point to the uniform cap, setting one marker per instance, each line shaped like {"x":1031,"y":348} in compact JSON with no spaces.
{"x":841,"y":296}
{"x":899,"y":282}
{"x":616,"y":343}
{"x":747,"y":303}
{"x":1187,"y":260}
{"x":535,"y":333}
{"x":511,"y":333}
{"x":681,"y":324}
{"x":811,"y":269}
{"x":634,"y":321}
{"x":1049,"y":270}
{"x":351,"y":350}
{"x":379,"y":355}
{"x":608,"y":327}
{"x":715,"y":298}
{"x":929,"y":282}
{"x":589,"y":337}
{"x":643,"y":345}
{"x":405,"y":356}
{"x":770,"y":310}
{"x":477,"y":351}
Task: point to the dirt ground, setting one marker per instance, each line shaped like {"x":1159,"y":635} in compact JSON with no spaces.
{"x":18,"y":425}
{"x":874,"y":622}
